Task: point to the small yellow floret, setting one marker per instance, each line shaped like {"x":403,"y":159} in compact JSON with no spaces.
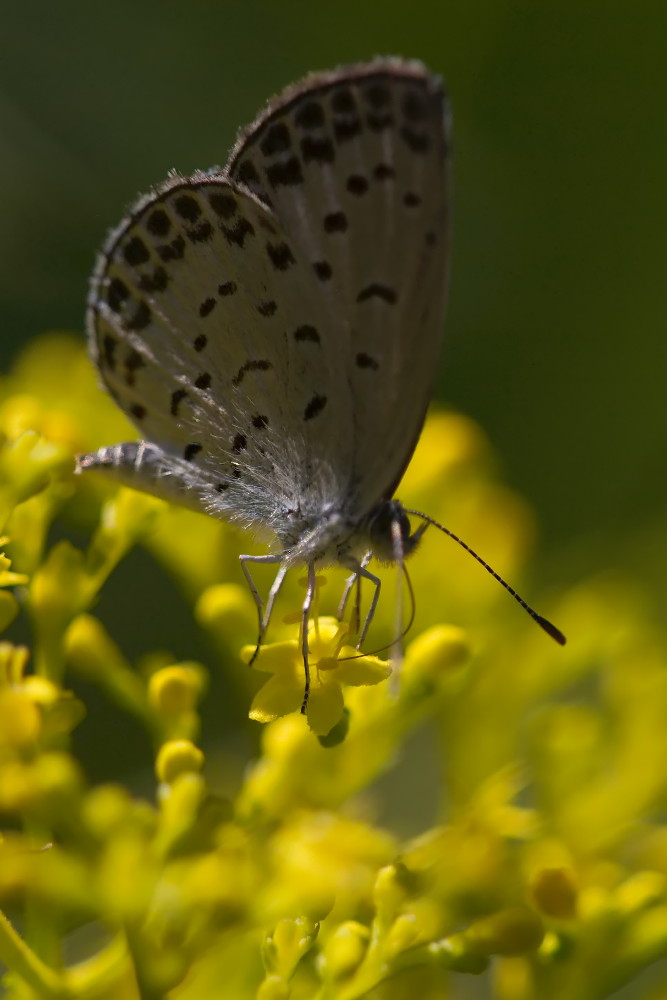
{"x":436,"y":652}
{"x":13,"y":661}
{"x":509,"y":932}
{"x":9,"y":608}
{"x":178,"y":757}
{"x":554,"y":891}
{"x":175,"y":689}
{"x":20,"y":719}
{"x":227,"y":608}
{"x":344,"y":950}
{"x":274,"y":988}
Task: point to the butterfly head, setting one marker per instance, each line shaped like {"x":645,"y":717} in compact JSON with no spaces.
{"x":390,"y":532}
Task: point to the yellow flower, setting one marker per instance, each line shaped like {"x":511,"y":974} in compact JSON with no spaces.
{"x":332,"y":664}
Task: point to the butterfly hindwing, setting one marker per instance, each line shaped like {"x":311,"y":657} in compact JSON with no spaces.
{"x":355,"y":165}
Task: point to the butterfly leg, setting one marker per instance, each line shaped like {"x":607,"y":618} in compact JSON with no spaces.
{"x":305,"y":615}
{"x":353,"y":579}
{"x":358,"y":571}
{"x":263,"y":611}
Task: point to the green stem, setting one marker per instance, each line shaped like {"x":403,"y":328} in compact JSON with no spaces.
{"x":22,"y":961}
{"x":106,"y":969}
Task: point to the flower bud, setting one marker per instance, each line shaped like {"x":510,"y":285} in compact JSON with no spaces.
{"x":554,"y":892}
{"x":510,"y":932}
{"x":344,"y":950}
{"x":177,"y":757}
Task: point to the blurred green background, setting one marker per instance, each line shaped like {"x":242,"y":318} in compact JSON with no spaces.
{"x":557,"y":318}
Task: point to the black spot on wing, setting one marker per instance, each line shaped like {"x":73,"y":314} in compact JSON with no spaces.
{"x":364,"y":360}
{"x":414,"y":106}
{"x":383,"y":172}
{"x":378,"y":95}
{"x":227,"y":288}
{"x":280,"y":255}
{"x":323,"y":270}
{"x":157,"y":281}
{"x":335,"y":222}
{"x":117,"y":293}
{"x":342,"y":101}
{"x":109,"y":345}
{"x":307,"y":333}
{"x":346,"y":129}
{"x":267,"y":308}
{"x":247,"y":173}
{"x":378,"y":122}
{"x":207,"y":307}
{"x":314,"y":406}
{"x":276,"y":140}
{"x":172,"y":251}
{"x":239,"y":443}
{"x":135,"y":252}
{"x":132,"y":363}
{"x":377,"y":291}
{"x":237,"y":234}
{"x":356,"y":184}
{"x":223,"y":204}
{"x":187,"y":207}
{"x":260,"y":421}
{"x":317,"y":149}
{"x":285,"y":174}
{"x":310,"y":115}
{"x":201,"y":233}
{"x":200,"y":342}
{"x":177,"y":397}
{"x":418,"y":142}
{"x":190,"y":451}
{"x":158,"y":222}
{"x":203,"y":381}
{"x":250,"y":366}
{"x":140,"y":318}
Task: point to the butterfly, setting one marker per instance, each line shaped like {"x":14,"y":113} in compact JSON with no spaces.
{"x":273,"y":327}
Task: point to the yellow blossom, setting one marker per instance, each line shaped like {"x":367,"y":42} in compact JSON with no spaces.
{"x":332,"y":665}
{"x":499,"y":812}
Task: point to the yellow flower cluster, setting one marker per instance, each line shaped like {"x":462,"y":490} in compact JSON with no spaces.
{"x":496,"y":809}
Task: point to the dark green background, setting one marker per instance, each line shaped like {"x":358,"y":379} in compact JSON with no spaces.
{"x":557,"y":323}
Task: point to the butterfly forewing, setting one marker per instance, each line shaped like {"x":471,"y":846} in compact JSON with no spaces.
{"x":354,"y":164}
{"x":205,"y":322}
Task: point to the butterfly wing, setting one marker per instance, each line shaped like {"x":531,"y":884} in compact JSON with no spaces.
{"x":204,"y":322}
{"x":273,"y":329}
{"x":354,"y":163}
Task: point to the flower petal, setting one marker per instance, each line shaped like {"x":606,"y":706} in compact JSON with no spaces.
{"x":274,"y":699}
{"x":277,"y":658}
{"x":325,"y":708}
{"x":363,"y":670}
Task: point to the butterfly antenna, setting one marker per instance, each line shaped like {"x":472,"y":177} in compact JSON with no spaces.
{"x":544,"y":623}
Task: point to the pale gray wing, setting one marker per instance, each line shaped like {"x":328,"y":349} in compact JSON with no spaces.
{"x":354,"y":163}
{"x":205,"y":320}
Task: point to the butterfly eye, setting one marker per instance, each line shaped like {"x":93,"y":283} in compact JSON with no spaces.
{"x":390,"y":532}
